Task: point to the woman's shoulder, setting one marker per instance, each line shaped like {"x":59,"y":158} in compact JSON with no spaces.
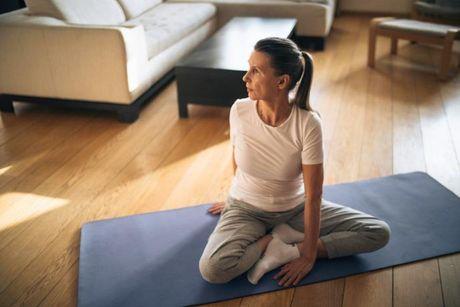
{"x":309,"y":118}
{"x":241,"y":105}
{"x":243,"y":102}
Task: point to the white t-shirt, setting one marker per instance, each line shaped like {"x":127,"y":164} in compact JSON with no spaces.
{"x":269,"y":159}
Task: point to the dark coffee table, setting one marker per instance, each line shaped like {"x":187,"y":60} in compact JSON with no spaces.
{"x":212,"y":74}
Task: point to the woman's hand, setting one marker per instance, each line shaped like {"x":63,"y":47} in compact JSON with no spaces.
{"x":217,"y":208}
{"x":294,"y":271}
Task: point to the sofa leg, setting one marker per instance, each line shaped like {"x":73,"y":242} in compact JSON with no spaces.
{"x":6,"y":104}
{"x":319,"y":44}
{"x":128,"y":115}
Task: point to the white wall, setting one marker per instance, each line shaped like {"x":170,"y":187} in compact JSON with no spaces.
{"x":378,"y":6}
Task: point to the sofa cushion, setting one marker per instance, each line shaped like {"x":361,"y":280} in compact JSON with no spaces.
{"x":135,"y":8}
{"x":95,"y":12}
{"x":44,"y":8}
{"x":167,"y":23}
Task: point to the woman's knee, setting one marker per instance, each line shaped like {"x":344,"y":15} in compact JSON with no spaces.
{"x":380,"y":233}
{"x":227,"y":262}
{"x":217,"y":267}
{"x":211,"y":272}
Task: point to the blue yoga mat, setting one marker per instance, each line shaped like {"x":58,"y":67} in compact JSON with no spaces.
{"x":152,"y":259}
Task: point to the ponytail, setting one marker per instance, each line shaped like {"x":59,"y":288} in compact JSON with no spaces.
{"x":302,"y":96}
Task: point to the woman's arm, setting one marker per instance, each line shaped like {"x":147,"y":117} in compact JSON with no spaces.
{"x":294,"y":271}
{"x":313,"y":176}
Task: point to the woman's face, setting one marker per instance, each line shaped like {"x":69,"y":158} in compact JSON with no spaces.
{"x":261,"y":81}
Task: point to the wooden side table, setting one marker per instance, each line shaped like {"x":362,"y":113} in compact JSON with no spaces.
{"x":417,"y":31}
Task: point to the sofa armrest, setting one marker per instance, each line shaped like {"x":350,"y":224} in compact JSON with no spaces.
{"x":97,"y":63}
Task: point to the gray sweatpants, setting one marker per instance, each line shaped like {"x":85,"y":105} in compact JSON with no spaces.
{"x":232,"y":250}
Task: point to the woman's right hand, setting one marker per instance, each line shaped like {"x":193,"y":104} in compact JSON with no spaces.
{"x":217,"y":208}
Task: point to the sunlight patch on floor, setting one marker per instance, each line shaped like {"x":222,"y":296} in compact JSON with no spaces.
{"x":4,"y":169}
{"x":16,"y":208}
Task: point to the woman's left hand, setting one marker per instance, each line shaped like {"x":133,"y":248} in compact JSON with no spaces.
{"x":294,"y":271}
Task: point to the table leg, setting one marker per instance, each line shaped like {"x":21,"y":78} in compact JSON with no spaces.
{"x":446,"y":55}
{"x":394,"y":45}
{"x":371,"y":47}
{"x":183,"y":110}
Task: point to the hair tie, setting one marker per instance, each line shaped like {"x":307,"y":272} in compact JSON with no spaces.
{"x":303,"y":66}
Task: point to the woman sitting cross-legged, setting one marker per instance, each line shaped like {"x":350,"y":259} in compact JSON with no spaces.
{"x":278,"y":181}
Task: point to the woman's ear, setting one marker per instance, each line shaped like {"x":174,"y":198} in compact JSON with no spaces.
{"x":283,"y":82}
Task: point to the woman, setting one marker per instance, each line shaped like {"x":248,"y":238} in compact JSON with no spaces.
{"x":278,"y":168}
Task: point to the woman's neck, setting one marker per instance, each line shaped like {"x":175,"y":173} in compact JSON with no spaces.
{"x":274,"y":112}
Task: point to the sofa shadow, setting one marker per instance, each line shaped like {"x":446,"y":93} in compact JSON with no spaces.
{"x":101,"y":124}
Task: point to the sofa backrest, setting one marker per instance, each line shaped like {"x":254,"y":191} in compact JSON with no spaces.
{"x":95,"y":12}
{"x":137,"y":7}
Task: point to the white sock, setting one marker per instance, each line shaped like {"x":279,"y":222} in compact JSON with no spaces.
{"x":276,"y":254}
{"x":287,"y":234}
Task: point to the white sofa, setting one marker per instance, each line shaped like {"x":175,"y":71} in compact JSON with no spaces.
{"x":314,"y":17}
{"x":114,"y":54}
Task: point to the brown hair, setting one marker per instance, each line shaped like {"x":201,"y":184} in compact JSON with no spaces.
{"x":287,"y":58}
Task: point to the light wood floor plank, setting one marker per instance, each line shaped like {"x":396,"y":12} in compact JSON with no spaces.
{"x":450,"y":95}
{"x":230,"y":303}
{"x":417,"y":284}
{"x":369,"y":289}
{"x":324,"y":294}
{"x":332,"y":85}
{"x":437,"y":139}
{"x":271,"y":299}
{"x":449,"y":267}
{"x":66,"y":288}
{"x":344,"y":150}
{"x":11,"y":125}
{"x":408,"y":154}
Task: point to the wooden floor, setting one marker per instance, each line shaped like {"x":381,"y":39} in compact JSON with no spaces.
{"x":61,"y":168}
